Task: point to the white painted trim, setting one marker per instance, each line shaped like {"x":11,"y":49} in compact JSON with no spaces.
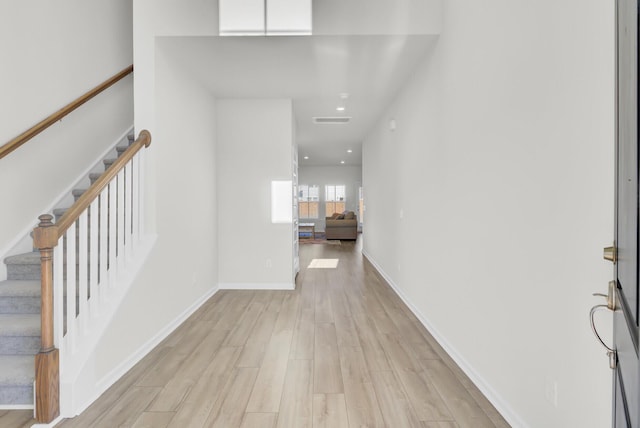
{"x":257,"y":286}
{"x":48,"y":209}
{"x":73,"y":359}
{"x":496,"y":399}
{"x":114,"y":375}
{"x":51,"y":424}
{"x":118,"y":288}
{"x":16,"y":406}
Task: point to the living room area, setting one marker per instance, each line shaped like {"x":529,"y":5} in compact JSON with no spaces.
{"x":330,"y":199}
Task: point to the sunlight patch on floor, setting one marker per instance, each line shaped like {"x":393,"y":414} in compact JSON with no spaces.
{"x":323,"y":264}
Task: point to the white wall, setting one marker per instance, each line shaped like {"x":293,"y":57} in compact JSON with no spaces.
{"x":182,"y":269}
{"x":154,"y":18}
{"x":53,"y":52}
{"x":377,"y":17}
{"x":502,"y":163}
{"x":255,"y":146}
{"x":350,"y":176}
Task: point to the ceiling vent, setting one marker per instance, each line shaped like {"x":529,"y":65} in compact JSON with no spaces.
{"x":331,"y":120}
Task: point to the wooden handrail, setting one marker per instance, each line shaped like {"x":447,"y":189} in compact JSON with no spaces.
{"x":46,"y":237}
{"x":83,"y":202}
{"x":44,"y":124}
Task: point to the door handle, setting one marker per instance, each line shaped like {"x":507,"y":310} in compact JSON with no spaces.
{"x":610,"y":296}
{"x":595,"y":309}
{"x":610,"y":306}
{"x":611,"y":353}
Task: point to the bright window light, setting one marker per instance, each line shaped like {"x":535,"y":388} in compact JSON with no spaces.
{"x":323,"y":264}
{"x":281,"y":201}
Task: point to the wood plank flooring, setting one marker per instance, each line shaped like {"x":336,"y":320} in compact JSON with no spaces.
{"x":342,"y":350}
{"x":16,"y":418}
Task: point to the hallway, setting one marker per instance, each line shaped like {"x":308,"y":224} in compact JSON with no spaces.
{"x":341,"y":350}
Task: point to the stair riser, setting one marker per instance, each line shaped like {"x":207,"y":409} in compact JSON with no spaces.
{"x":16,"y":394}
{"x":19,"y":345}
{"x":20,"y":305}
{"x":23,"y":272}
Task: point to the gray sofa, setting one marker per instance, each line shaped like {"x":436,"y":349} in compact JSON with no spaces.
{"x":342,"y":226}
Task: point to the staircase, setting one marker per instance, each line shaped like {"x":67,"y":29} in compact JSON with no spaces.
{"x":20,"y":314}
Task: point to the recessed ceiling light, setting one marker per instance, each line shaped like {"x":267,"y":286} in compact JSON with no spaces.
{"x":340,"y":108}
{"x":306,"y":157}
{"x":349,"y":151}
{"x":341,"y":161}
{"x":344,"y":95}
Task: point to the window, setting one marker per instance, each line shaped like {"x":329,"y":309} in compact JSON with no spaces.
{"x":281,"y":201}
{"x":308,"y":201}
{"x":335,"y":199}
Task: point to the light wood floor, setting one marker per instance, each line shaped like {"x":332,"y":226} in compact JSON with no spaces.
{"x":342,"y":350}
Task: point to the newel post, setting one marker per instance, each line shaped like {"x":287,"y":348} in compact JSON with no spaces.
{"x":47,"y":405}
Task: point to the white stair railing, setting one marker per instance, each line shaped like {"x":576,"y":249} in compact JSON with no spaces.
{"x":100,"y":238}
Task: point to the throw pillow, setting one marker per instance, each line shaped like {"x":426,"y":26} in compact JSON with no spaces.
{"x":350,"y":215}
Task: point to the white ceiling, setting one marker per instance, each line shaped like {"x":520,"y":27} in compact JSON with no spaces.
{"x":313,"y":71}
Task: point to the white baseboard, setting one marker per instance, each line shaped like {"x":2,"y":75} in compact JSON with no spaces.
{"x":257,"y":286}
{"x":114,"y":375}
{"x":51,"y":424}
{"x":496,"y":399}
